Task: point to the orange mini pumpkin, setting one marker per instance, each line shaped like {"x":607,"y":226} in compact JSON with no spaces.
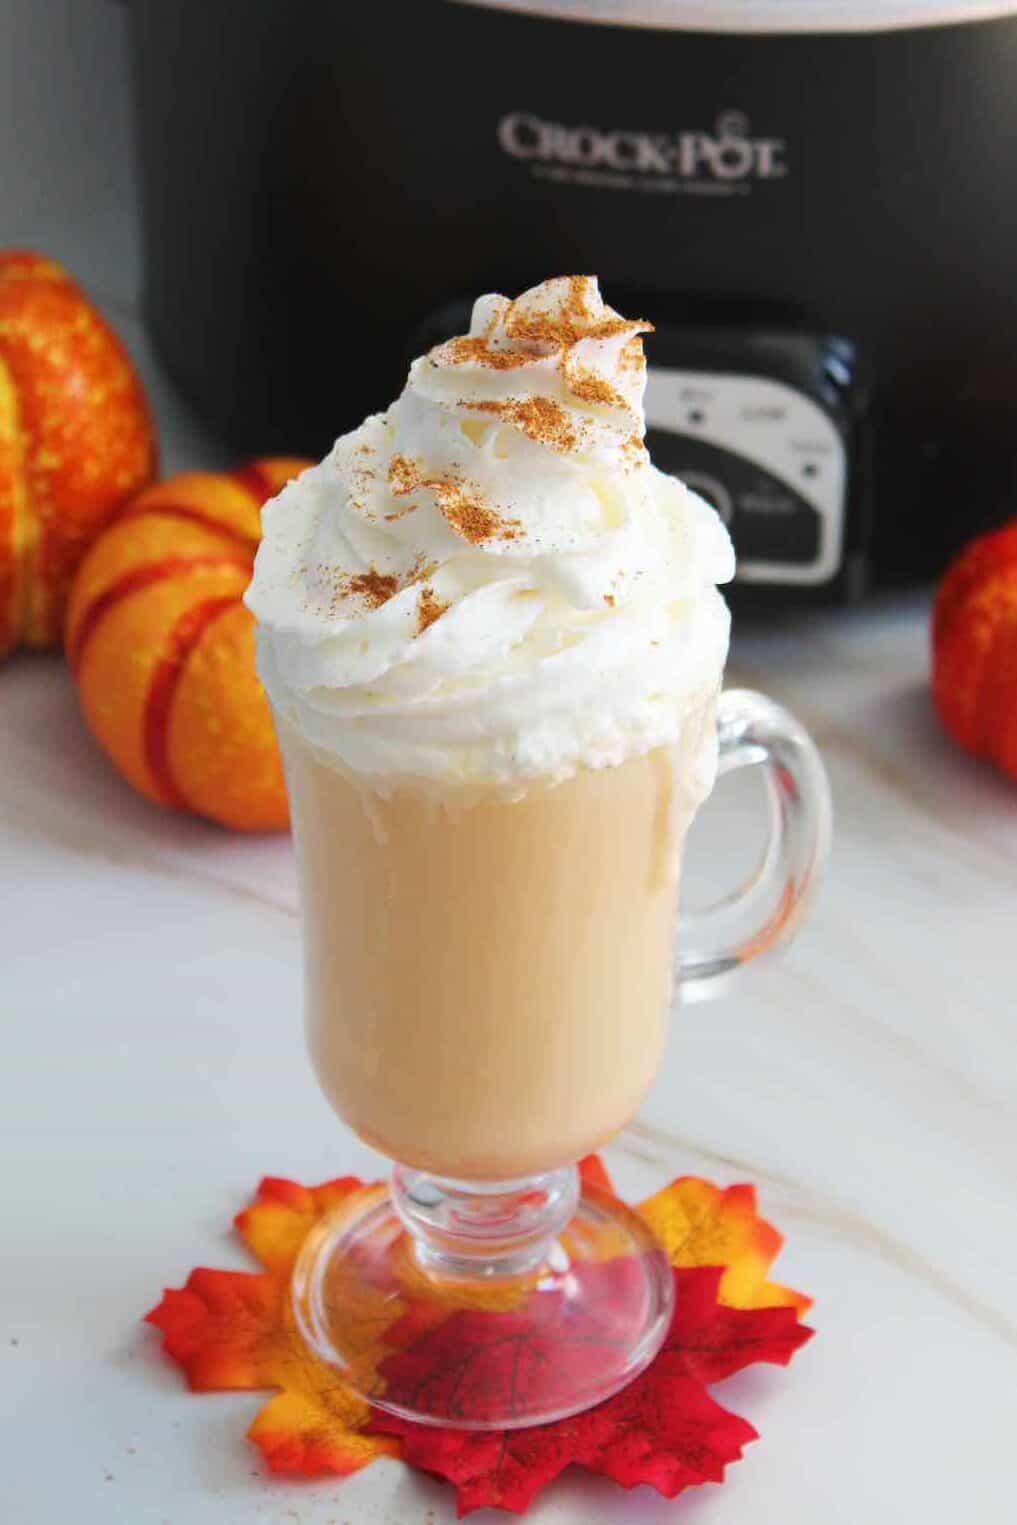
{"x":974,"y":648}
{"x":76,"y":441}
{"x":163,"y":649}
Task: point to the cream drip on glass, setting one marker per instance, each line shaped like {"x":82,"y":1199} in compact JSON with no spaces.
{"x":490,"y":583}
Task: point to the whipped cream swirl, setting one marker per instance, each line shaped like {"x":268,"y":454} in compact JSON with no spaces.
{"x":490,"y":582}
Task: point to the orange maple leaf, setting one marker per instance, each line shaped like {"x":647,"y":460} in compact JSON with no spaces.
{"x":223,"y":1328}
{"x":282,"y":1214}
{"x":235,"y":1329}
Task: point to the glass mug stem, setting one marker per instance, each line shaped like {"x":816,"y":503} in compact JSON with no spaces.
{"x":489,"y":1229}
{"x":572,"y":1269}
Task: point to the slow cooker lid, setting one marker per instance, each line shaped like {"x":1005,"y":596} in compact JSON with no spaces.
{"x":763,"y":15}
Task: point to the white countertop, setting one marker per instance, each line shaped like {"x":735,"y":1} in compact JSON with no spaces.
{"x":154,"y":1070}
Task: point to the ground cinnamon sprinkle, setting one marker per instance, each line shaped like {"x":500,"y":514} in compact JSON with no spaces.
{"x":589,"y":387}
{"x":375,"y":588}
{"x":471,"y":518}
{"x":543,"y":328}
{"x":539,"y":417}
{"x":430,"y":608}
{"x":631,"y":356}
{"x":404,"y":474}
{"x":576,"y":320}
{"x":475,"y":348}
{"x":499,"y":307}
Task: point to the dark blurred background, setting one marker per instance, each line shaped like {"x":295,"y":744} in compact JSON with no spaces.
{"x":827,"y":252}
{"x":67,"y":178}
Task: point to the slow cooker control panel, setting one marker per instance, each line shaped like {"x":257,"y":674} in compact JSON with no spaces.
{"x":767,"y":456}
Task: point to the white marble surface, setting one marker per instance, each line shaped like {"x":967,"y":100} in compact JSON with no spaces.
{"x":154,"y":1069}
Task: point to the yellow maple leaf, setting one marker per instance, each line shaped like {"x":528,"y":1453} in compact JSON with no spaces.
{"x":700,"y":1224}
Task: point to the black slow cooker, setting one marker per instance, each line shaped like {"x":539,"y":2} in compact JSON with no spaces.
{"x":813,"y":202}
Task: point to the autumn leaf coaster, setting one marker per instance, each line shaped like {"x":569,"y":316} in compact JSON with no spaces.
{"x":236,"y":1330}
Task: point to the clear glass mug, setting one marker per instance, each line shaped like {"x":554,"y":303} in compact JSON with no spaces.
{"x":487,"y":983}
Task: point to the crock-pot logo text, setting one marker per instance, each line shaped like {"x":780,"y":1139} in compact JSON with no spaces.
{"x":729,"y":159}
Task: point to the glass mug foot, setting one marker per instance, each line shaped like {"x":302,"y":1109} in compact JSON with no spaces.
{"x":484,"y":1306}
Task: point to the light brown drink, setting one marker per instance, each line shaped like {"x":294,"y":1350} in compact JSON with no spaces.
{"x":487,"y":982}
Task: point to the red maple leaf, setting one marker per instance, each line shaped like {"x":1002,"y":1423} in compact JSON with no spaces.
{"x":663,"y":1429}
{"x":667,"y":1431}
{"x":715,"y":1341}
{"x":485,"y":1363}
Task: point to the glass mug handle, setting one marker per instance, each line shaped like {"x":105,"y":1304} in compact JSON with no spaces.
{"x":766,"y":911}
